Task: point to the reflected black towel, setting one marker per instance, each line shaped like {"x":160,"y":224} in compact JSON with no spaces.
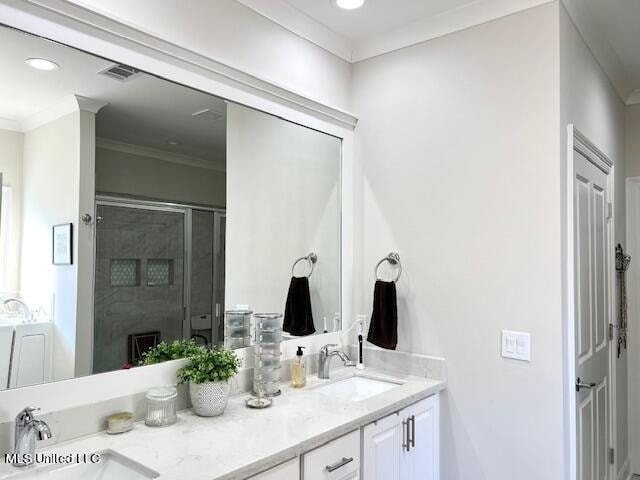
{"x":383,"y":329}
{"x":298,"y":319}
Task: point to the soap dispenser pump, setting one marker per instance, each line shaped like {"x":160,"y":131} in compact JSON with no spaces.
{"x":298,"y":370}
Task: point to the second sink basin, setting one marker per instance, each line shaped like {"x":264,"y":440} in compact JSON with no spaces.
{"x":112,"y":466}
{"x":356,"y":388}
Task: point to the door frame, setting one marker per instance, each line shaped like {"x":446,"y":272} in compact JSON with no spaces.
{"x":578,"y":142}
{"x":633,"y":356}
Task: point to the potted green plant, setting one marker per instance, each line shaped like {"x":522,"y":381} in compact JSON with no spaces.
{"x":208,"y":373}
{"x":163,"y":352}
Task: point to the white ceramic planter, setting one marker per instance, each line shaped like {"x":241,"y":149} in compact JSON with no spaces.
{"x":209,"y":399}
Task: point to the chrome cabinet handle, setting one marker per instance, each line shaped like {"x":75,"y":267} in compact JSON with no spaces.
{"x":406,"y":441}
{"x":412,"y":419}
{"x":341,"y":463}
{"x":580,"y":384}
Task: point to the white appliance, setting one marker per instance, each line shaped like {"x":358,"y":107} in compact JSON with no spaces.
{"x":31,"y":357}
{"x":6,"y":339}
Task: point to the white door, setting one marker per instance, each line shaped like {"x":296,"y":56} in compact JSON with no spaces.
{"x":382,"y":447}
{"x":421,"y":459}
{"x":592,"y":293}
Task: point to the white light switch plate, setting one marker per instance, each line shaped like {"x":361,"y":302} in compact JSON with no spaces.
{"x":516,"y":345}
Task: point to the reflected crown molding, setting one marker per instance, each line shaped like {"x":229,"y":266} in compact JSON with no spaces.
{"x":67,"y":105}
{"x":156,"y":154}
{"x":634,"y":98}
{"x":11,"y":125}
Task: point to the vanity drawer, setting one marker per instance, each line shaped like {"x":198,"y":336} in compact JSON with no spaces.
{"x":289,"y":470}
{"x":338,"y":460}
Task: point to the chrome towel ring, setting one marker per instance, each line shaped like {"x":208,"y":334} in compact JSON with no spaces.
{"x":312,"y":258}
{"x":394,"y":259}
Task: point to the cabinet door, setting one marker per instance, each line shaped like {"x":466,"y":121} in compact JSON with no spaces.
{"x":382,"y":447}
{"x":289,"y":470}
{"x":421,"y":461}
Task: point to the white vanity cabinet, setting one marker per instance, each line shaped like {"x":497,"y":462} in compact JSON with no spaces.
{"x":337,"y":460}
{"x":289,"y":470}
{"x":404,"y":445}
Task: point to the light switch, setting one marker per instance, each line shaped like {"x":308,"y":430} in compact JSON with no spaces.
{"x":516,"y":345}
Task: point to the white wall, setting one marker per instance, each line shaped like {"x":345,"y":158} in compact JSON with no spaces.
{"x":590,"y":102}
{"x":229,"y":32}
{"x":131,"y":174}
{"x":458,"y":159}
{"x":632,"y":140}
{"x":11,"y":168}
{"x":283,"y":202}
{"x":50,"y":196}
{"x":632,"y":157}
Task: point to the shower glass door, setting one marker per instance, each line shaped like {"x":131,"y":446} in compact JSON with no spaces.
{"x":207,"y":276}
{"x":139,"y":281}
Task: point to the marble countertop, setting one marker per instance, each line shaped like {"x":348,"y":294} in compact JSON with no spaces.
{"x":243,"y":442}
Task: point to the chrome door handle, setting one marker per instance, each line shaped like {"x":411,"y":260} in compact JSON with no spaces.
{"x":580,"y":384}
{"x":341,"y":463}
{"x":412,"y":419}
{"x":406,"y":441}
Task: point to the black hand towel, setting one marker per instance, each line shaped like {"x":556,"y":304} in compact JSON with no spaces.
{"x":383,"y":329}
{"x":298,"y":319}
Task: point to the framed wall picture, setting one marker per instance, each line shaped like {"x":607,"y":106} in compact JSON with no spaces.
{"x":63,"y":244}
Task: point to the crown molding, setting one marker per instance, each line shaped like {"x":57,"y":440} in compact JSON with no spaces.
{"x":156,"y":154}
{"x":600,"y":47}
{"x":65,"y":106}
{"x":445,"y":23}
{"x":421,"y":30}
{"x":634,"y":98}
{"x":89,"y":104}
{"x":11,"y":125}
{"x":292,"y":19}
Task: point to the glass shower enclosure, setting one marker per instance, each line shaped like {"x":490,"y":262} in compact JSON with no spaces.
{"x":159,"y":276}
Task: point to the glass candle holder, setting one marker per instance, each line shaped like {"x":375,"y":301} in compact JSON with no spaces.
{"x":161,"y":406}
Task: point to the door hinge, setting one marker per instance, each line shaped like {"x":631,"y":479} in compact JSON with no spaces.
{"x":612,"y":456}
{"x":609,"y":210}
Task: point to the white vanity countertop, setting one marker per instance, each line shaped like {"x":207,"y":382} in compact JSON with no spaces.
{"x":243,"y":442}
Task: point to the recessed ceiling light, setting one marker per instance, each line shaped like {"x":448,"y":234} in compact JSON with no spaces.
{"x":349,"y":4}
{"x":173,"y":143}
{"x":42,"y":64}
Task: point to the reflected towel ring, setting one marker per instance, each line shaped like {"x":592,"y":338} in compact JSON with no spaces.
{"x":394,"y":259}
{"x":312,"y":258}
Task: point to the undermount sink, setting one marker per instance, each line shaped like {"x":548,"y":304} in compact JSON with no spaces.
{"x":112,"y":466}
{"x":356,"y":388}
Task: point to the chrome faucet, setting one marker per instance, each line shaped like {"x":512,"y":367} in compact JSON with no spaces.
{"x":28,"y":430}
{"x":324,"y":360}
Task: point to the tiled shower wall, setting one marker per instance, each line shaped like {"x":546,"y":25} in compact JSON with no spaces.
{"x":139,"y":303}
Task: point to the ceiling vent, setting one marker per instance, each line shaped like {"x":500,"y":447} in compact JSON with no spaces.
{"x":120,"y":72}
{"x":207,"y":114}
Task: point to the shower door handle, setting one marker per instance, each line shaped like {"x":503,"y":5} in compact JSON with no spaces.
{"x":217,"y":310}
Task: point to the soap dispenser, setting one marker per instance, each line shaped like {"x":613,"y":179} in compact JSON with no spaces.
{"x":298,"y":370}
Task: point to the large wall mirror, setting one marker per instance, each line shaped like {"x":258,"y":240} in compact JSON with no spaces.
{"x":135,"y":210}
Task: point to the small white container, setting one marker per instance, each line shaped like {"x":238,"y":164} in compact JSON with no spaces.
{"x":161,"y":406}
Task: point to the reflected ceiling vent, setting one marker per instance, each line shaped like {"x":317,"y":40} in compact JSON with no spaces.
{"x":208,"y":114}
{"x":120,"y":72}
